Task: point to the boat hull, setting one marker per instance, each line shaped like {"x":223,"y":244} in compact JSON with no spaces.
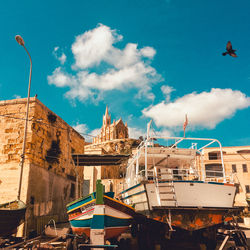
{"x":205,"y":194}
{"x":84,"y":215}
{"x":193,"y":204}
{"x":192,"y":219}
{"x":145,"y":196}
{"x":11,"y":218}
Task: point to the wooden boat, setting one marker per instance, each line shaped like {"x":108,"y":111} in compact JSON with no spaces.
{"x":11,"y":216}
{"x":168,"y":183}
{"x":99,"y":211}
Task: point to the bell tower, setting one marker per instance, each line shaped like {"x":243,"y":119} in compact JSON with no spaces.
{"x":106,"y":118}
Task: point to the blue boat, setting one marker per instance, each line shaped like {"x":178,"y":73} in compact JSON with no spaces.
{"x":99,"y":211}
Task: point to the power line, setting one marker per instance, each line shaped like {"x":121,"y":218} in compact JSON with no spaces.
{"x":47,"y":124}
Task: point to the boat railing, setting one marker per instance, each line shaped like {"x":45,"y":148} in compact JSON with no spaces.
{"x":232,"y":178}
{"x":137,"y":154}
{"x":169,"y":174}
{"x":185,"y":174}
{"x":179,"y":174}
{"x":142,"y":175}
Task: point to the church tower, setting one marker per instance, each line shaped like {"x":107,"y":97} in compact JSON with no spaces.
{"x":116,"y":130}
{"x":106,"y":118}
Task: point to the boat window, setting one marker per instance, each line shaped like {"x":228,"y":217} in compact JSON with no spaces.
{"x":214,"y":170}
{"x":177,"y":174}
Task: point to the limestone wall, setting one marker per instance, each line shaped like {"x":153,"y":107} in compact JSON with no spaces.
{"x":12,"y":120}
{"x":49,"y":179}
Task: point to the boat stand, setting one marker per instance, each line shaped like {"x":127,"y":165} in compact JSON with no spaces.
{"x":236,"y":234}
{"x":8,"y":241}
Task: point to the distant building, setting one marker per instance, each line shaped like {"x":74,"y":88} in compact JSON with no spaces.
{"x":237,"y":166}
{"x":111,"y":131}
{"x":113,"y":139}
{"x":49,"y":177}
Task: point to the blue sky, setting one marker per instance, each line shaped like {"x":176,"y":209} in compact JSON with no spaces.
{"x":151,"y":59}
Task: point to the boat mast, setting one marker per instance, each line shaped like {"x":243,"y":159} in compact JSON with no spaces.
{"x":146,"y":149}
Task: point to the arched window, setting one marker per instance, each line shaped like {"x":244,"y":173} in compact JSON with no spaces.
{"x":244,"y":151}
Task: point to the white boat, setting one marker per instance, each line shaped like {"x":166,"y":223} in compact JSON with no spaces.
{"x":173,"y":177}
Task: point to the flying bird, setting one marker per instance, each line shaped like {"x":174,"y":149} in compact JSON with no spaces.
{"x":230,"y":51}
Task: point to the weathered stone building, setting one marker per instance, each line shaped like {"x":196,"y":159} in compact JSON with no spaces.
{"x":49,"y":176}
{"x":237,"y":166}
{"x":111,"y":131}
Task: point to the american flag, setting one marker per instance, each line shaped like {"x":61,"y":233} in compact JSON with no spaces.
{"x":185,"y":124}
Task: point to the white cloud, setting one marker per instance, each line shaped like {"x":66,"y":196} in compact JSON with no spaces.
{"x":162,"y":133}
{"x":81,"y":128}
{"x":148,"y":52}
{"x":124,"y":68}
{"x":92,"y":47}
{"x":61,"y":58}
{"x":135,"y":133}
{"x":86,"y":132}
{"x":17,"y":96}
{"x":167,"y":90}
{"x":60,"y":78}
{"x":95,"y":132}
{"x":206,"y":109}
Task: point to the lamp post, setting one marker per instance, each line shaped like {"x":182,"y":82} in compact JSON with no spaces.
{"x":20,"y":41}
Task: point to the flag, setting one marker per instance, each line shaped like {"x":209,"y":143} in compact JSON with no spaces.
{"x":185,"y":124}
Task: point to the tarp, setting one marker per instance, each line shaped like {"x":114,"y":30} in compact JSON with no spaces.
{"x":98,"y":160}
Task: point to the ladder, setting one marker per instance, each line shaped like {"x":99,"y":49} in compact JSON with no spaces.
{"x":165,"y":188}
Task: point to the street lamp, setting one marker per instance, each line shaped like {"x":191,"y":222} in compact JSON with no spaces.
{"x":20,"y":41}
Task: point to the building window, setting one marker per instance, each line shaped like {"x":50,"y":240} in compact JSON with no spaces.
{"x":72,"y":190}
{"x":244,"y":167}
{"x":214,"y":156}
{"x":234,"y":170}
{"x":247,"y":189}
{"x":214,"y":170}
{"x":237,"y":189}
